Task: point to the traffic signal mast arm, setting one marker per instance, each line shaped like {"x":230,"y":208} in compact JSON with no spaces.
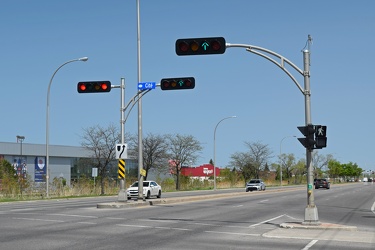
{"x":311,"y":211}
{"x":134,"y":100}
{"x":281,"y":64}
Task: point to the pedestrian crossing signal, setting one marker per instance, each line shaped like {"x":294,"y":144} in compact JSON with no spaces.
{"x":315,"y":136}
{"x":320,"y":136}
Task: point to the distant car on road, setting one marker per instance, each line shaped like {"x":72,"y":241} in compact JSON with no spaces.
{"x":322,"y":183}
{"x":255,"y":184}
{"x":150,"y":188}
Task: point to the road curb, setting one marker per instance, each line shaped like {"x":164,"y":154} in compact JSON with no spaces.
{"x":301,"y":225}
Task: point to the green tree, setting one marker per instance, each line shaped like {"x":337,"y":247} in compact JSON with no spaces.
{"x":287,"y":161}
{"x":8,"y":178}
{"x":334,"y":168}
{"x":252,"y":162}
{"x":155,"y":152}
{"x":101,"y":142}
{"x":182,"y":150}
{"x":299,"y":170}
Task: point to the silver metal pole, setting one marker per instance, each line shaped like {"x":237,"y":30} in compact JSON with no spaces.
{"x":311,"y":211}
{"x":83,"y":59}
{"x":122,"y":196}
{"x":215,"y":147}
{"x":140,"y":148}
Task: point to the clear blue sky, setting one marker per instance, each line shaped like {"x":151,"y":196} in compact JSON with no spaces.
{"x":38,"y":36}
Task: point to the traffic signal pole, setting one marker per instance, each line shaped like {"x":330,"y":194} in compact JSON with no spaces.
{"x":122,"y":196}
{"x":140,"y":139}
{"x":311,"y":211}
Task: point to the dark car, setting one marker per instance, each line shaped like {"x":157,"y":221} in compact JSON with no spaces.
{"x":322,"y":183}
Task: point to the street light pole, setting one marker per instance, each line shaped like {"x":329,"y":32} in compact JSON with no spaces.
{"x":20,"y":138}
{"x":281,"y":169}
{"x":215,"y":146}
{"x":83,"y":59}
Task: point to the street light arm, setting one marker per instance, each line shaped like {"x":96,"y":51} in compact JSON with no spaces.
{"x":220,"y":122}
{"x":83,"y":59}
{"x":215,"y":147}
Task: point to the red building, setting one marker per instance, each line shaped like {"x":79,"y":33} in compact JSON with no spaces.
{"x":202,"y":172}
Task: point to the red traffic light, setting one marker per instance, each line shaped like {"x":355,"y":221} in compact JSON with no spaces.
{"x":200,"y":46}
{"x":94,"y":87}
{"x":177,"y":83}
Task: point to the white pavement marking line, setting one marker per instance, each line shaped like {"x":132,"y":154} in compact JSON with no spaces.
{"x":124,"y":225}
{"x":75,"y":215}
{"x":18,"y":218}
{"x":263,"y":222}
{"x":263,"y":201}
{"x":310,"y":244}
{"x":373,"y":208}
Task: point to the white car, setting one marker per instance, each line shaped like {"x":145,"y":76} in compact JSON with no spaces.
{"x":255,"y":184}
{"x":150,"y":188}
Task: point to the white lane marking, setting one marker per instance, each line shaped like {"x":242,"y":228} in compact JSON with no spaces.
{"x":263,"y":201}
{"x":125,"y":225}
{"x":18,"y":218}
{"x":263,"y":222}
{"x":75,"y":215}
{"x":182,"y":229}
{"x":308,"y":246}
{"x":373,"y":208}
{"x":88,"y":223}
{"x":168,"y":228}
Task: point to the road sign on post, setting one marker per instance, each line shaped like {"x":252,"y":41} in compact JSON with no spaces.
{"x":146,"y":85}
{"x":200,"y":46}
{"x":121,"y":151}
{"x":121,"y":169}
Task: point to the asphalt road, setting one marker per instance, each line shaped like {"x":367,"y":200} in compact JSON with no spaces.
{"x":237,"y":220}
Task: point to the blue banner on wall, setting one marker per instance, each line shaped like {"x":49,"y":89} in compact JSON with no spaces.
{"x":40,"y":169}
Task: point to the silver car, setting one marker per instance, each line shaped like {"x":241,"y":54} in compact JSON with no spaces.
{"x":255,"y":184}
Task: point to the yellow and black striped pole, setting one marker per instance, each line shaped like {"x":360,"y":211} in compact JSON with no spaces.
{"x":121,"y":169}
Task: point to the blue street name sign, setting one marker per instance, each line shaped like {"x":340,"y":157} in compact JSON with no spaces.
{"x":146,"y":85}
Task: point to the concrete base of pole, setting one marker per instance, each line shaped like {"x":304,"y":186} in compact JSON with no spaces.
{"x":311,"y":216}
{"x":122,"y":196}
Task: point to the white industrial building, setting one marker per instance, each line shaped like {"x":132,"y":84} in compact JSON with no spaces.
{"x":30,"y":158}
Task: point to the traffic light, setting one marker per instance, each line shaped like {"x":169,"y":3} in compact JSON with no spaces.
{"x":94,"y":87}
{"x":309,"y":132}
{"x":320,"y":136}
{"x":177,"y":83}
{"x":200,"y":46}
